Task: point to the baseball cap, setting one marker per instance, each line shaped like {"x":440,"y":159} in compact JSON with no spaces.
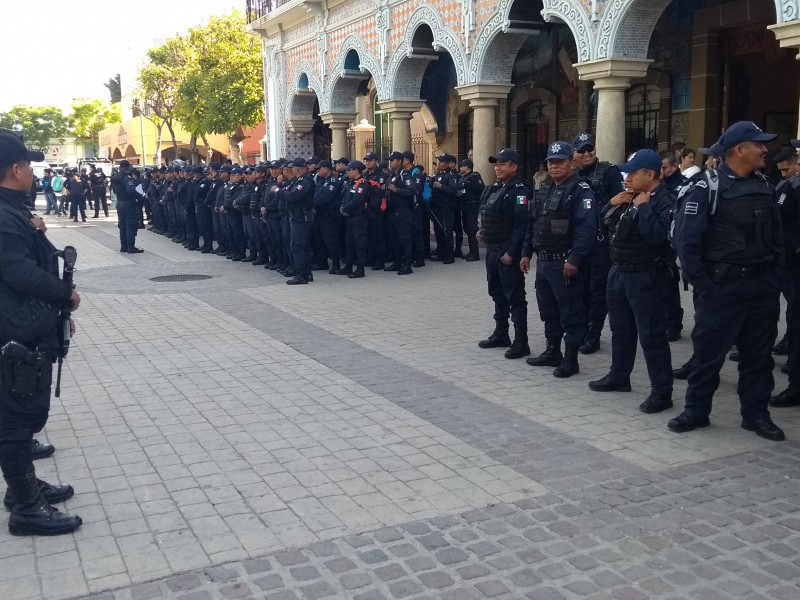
{"x":325,"y":164}
{"x":236,"y":171}
{"x":642,"y":159}
{"x":371,"y":156}
{"x":740,"y":132}
{"x":12,"y":149}
{"x":466,"y":163}
{"x":396,"y":156}
{"x":356,"y":165}
{"x":408,"y":155}
{"x":446,"y":158}
{"x":559,"y":150}
{"x":124,"y":164}
{"x":342,"y":161}
{"x":505,"y":155}
{"x":299,"y":162}
{"x":313,"y":160}
{"x":213,"y":166}
{"x":582,"y":140}
{"x":197,"y":170}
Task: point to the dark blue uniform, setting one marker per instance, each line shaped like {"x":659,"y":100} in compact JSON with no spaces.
{"x":401,"y":205}
{"x":731,"y":258}
{"x":470,"y":190}
{"x":672,"y":286}
{"x":299,"y":197}
{"x":124,"y":187}
{"x":327,"y":221}
{"x":376,"y":219}
{"x":205,"y":223}
{"x":442,"y":207}
{"x":563,"y":228}
{"x":641,"y":257}
{"x":355,"y":198}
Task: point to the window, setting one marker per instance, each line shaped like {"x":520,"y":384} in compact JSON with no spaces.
{"x":641,"y":118}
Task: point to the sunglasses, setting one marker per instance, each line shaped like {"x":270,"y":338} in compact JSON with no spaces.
{"x":586,"y":150}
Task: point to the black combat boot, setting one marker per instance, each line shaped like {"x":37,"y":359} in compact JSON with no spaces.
{"x":335,"y":266}
{"x":419,"y":263}
{"x":569,"y":366}
{"x":392,"y":267}
{"x":551,"y":357}
{"x":610,"y":383}
{"x":788,"y":397}
{"x":345,"y":270}
{"x":297,"y":280}
{"x":591,"y":342}
{"x":250,"y":258}
{"x":259,"y":261}
{"x":378,"y":265}
{"x":40,"y":450}
{"x":657,"y":402}
{"x":520,"y":346}
{"x":405,"y":269}
{"x":358,"y":273}
{"x":498,"y":339}
{"x":682,"y":372}
{"x":31,"y":514}
{"x":52,"y":493}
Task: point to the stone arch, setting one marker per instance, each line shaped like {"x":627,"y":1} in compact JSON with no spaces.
{"x":117,"y":155}
{"x":305,"y":90}
{"x":496,"y":47}
{"x":573,"y":14}
{"x":347,"y":78}
{"x":130,"y":152}
{"x":408,"y":63}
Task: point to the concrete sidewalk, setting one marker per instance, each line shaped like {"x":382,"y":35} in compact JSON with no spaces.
{"x":235,"y":437}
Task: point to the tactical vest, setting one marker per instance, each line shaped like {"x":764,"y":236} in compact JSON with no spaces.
{"x":740,"y":224}
{"x":255,"y":199}
{"x":629,"y":249}
{"x":497,"y":222}
{"x":246,"y":198}
{"x":596,"y":180}
{"x":552,"y":216}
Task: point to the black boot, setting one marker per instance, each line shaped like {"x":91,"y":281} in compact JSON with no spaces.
{"x":393,"y":267}
{"x":345,"y":270}
{"x":52,"y":493}
{"x":405,"y":269}
{"x":41,"y":450}
{"x":520,"y":346}
{"x":683,"y":371}
{"x":610,"y":383}
{"x":551,"y":357}
{"x":358,"y":273}
{"x":569,"y":366}
{"x":788,"y":397}
{"x":32,"y":515}
{"x":498,"y":339}
{"x":335,"y":266}
{"x":591,"y":343}
{"x":657,"y":402}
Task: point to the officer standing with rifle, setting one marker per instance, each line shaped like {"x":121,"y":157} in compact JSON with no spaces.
{"x":470,"y":189}
{"x":31,"y":297}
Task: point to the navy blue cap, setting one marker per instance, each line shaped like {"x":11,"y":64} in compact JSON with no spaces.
{"x":505,"y":155}
{"x":446,"y":158}
{"x":299,"y":162}
{"x":356,"y":165}
{"x":236,"y":171}
{"x":213,"y":166}
{"x":260,"y":168}
{"x":313,"y":160}
{"x":396,"y":155}
{"x":197,"y":170}
{"x":342,"y":161}
{"x":13,"y":150}
{"x":559,"y":150}
{"x":743,"y":131}
{"x":582,"y":140}
{"x":408,"y":155}
{"x":466,"y":163}
{"x":642,"y":159}
{"x":371,"y":156}
{"x":326,"y":164}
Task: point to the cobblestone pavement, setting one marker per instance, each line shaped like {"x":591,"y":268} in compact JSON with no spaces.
{"x":239,"y":438}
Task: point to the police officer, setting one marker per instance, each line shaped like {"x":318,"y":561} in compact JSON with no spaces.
{"x":236,"y":197}
{"x":355,"y":197}
{"x":31,"y":295}
{"x":673,"y":180}
{"x":124,"y":187}
{"x":287,"y":173}
{"x":190,"y":208}
{"x":470,"y":189}
{"x":730,"y":245}
{"x":504,"y":222}
{"x":277,"y":257}
{"x":376,"y":212}
{"x":444,"y":190}
{"x":606,"y":182}
{"x":420,"y":234}
{"x":327,"y":221}
{"x":98,"y":181}
{"x":205,"y":222}
{"x":400,"y":198}
{"x":257,"y":202}
{"x":788,"y":195}
{"x":299,"y":198}
{"x":638,"y":222}
{"x":246,"y":207}
{"x":220,"y":218}
{"x":562,"y":232}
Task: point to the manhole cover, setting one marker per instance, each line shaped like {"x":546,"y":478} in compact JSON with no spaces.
{"x":183,"y":277}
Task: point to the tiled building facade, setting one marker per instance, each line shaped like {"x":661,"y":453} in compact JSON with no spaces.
{"x":480,"y":74}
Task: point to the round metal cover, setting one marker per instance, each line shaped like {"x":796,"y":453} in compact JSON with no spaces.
{"x":181,"y":277}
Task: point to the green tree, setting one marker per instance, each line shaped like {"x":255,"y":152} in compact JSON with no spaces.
{"x":114,"y":87}
{"x":224,"y":92}
{"x":90,"y":117}
{"x":39,"y":124}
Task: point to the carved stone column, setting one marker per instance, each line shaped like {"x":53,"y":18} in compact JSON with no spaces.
{"x":400,"y":113}
{"x":484,"y":99}
{"x":339,"y":123}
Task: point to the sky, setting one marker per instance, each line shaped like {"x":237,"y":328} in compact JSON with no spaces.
{"x":69,"y":50}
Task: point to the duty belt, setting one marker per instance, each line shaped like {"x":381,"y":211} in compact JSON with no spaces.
{"x":726,"y":272}
{"x":550,"y":256}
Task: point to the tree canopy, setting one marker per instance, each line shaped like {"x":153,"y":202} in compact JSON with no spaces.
{"x":91,"y":116}
{"x":39,"y":124}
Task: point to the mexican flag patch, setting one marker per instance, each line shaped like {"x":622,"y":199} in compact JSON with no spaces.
{"x":522,"y":200}
{"x":587,"y":203}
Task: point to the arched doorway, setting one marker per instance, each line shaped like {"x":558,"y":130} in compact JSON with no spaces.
{"x":307,"y":135}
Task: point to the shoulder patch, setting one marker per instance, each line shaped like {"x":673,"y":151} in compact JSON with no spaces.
{"x":584,"y":185}
{"x":702,"y":183}
{"x":690,"y":208}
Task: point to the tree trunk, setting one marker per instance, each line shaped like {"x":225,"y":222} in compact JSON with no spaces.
{"x":174,"y":140}
{"x":195,"y":155}
{"x":159,"y":132}
{"x":236,"y":155}
{"x":206,"y":147}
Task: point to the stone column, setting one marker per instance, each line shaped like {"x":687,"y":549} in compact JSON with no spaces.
{"x":788,"y":35}
{"x":339,"y":124}
{"x":612,"y":78}
{"x":363,"y":132}
{"x":400,"y":113}
{"x":484,"y":98}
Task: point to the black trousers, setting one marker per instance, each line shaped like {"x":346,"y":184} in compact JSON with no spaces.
{"x":190,"y":219}
{"x":301,"y":247}
{"x":507,"y":288}
{"x":205,"y":225}
{"x":672,"y":297}
{"x":328,"y":224}
{"x":277,"y":249}
{"x":20,"y":418}
{"x":791,"y":287}
{"x":128,"y":223}
{"x":99,"y":195}
{"x":635,"y":311}
{"x":745,"y":313}
{"x":401,"y":222}
{"x":236,"y":231}
{"x":376,"y":249}
{"x":420,"y":232}
{"x":356,"y":240}
{"x":595,"y":277}
{"x":249,"y":227}
{"x":561,"y":306}
{"x":465,"y":221}
{"x":442,"y":213}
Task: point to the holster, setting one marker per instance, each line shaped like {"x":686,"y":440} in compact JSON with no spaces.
{"x":24,"y":372}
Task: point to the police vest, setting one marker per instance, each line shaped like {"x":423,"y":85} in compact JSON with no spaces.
{"x":497,"y":218}
{"x":597,"y":180}
{"x":628,"y":248}
{"x":255,"y":198}
{"x":740,"y":223}
{"x":552,"y":216}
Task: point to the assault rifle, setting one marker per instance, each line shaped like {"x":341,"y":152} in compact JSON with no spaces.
{"x":70,"y":257}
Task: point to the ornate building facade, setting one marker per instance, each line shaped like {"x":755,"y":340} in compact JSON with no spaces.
{"x":481,"y":74}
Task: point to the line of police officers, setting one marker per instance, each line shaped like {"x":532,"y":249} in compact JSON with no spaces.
{"x":595,"y":234}
{"x":298,"y":216}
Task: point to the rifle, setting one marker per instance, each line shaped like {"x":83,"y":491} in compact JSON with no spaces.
{"x":70,"y":256}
